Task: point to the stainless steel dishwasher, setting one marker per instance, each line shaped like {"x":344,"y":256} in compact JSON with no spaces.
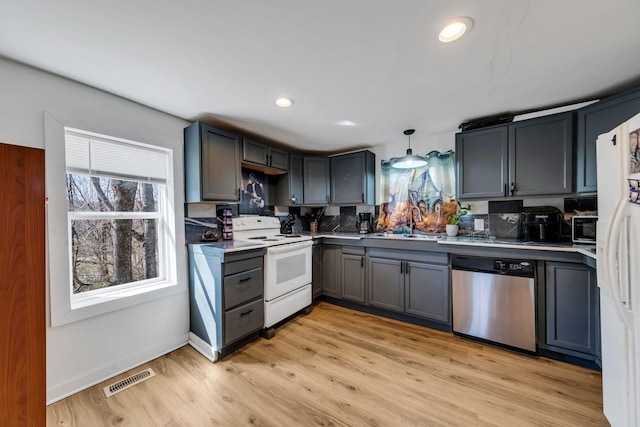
{"x":494,"y":299}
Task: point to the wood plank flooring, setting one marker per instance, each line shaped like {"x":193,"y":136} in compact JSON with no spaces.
{"x":338,"y":367}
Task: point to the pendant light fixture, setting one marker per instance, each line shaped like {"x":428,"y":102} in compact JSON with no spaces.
{"x":410,"y":160}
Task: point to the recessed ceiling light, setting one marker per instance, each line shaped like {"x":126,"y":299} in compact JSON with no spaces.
{"x":455,"y":29}
{"x":345,"y":123}
{"x":284,"y":102}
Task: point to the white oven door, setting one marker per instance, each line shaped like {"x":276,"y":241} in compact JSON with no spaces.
{"x":286,"y":268}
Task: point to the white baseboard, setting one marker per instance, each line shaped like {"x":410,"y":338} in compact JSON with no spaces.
{"x":202,"y":347}
{"x":61,"y":391}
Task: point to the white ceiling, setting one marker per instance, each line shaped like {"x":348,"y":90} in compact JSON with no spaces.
{"x":376,"y":63}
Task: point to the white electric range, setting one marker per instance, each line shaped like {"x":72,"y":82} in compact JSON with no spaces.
{"x":287,"y":266}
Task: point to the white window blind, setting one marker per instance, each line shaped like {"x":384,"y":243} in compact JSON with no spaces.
{"x":92,"y":154}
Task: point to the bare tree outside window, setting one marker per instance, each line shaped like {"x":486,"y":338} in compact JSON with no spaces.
{"x":114,"y":235}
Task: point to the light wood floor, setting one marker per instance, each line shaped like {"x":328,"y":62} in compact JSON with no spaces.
{"x":338,"y":367}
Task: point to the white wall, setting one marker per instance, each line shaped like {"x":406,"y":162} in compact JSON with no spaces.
{"x":85,"y":352}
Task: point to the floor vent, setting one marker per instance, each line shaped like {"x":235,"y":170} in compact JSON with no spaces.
{"x":134,"y":379}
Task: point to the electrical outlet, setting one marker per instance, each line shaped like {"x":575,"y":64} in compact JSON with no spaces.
{"x":478,"y":224}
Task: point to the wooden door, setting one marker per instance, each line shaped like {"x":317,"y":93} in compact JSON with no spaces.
{"x":22,"y":287}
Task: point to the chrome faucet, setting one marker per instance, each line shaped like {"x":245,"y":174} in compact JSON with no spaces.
{"x":411,"y":218}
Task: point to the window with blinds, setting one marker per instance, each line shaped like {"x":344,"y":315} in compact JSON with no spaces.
{"x":116,"y":210}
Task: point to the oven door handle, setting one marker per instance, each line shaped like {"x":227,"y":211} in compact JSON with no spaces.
{"x":288,"y":247}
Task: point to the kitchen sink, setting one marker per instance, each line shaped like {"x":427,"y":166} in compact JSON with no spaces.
{"x":405,"y":236}
{"x":423,"y":236}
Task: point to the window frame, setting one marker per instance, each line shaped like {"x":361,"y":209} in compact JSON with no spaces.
{"x":65,"y":307}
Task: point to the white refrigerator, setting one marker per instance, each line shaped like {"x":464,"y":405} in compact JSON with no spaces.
{"x":618,"y":267}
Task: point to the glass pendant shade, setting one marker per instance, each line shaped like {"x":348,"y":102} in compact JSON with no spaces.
{"x":410,"y":160}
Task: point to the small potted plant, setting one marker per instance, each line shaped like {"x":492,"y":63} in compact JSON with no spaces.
{"x":453,"y":221}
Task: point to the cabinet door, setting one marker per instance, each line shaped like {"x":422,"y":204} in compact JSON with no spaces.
{"x":427,"y":291}
{"x":295,"y":180}
{"x":211,"y":164}
{"x":571,"y":307}
{"x":353,"y":178}
{"x":386,"y":283}
{"x":254,"y":152}
{"x":316,"y":181}
{"x":594,"y":120}
{"x":541,"y":156}
{"x":481,"y":163}
{"x":278,"y":159}
{"x":353,"y":277}
{"x":332,"y":274}
{"x":220,"y":165}
{"x":317,"y":269}
{"x":289,"y":186}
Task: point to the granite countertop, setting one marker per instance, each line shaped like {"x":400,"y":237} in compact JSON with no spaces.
{"x":587,"y":250}
{"x":338,"y":235}
{"x":467,"y":241}
{"x":507,"y":243}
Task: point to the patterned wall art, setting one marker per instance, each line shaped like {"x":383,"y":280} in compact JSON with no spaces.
{"x":426,"y":193}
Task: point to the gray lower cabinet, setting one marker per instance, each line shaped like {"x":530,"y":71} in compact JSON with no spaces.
{"x":331,"y":270}
{"x":416,"y":283}
{"x":212,"y":164}
{"x":316,"y":181}
{"x":225,"y":298}
{"x":427,"y":291}
{"x":572,"y":309}
{"x":317,"y":268}
{"x":386,"y":283}
{"x":353,"y":277}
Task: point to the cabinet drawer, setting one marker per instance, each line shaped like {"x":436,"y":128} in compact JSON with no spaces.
{"x":242,"y":287}
{"x":243,"y":320}
{"x":235,"y":267}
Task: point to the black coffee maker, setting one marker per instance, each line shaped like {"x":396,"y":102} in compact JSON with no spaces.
{"x":364,"y":224}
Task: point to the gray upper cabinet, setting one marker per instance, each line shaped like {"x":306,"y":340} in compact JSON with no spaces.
{"x":353,"y":178}
{"x":289,"y":186}
{"x":316,"y":181}
{"x":527,"y":158}
{"x":541,"y":156}
{"x":260,"y":154}
{"x":572,"y":309}
{"x":481,"y":163}
{"x":596,"y":119}
{"x":212,"y":164}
